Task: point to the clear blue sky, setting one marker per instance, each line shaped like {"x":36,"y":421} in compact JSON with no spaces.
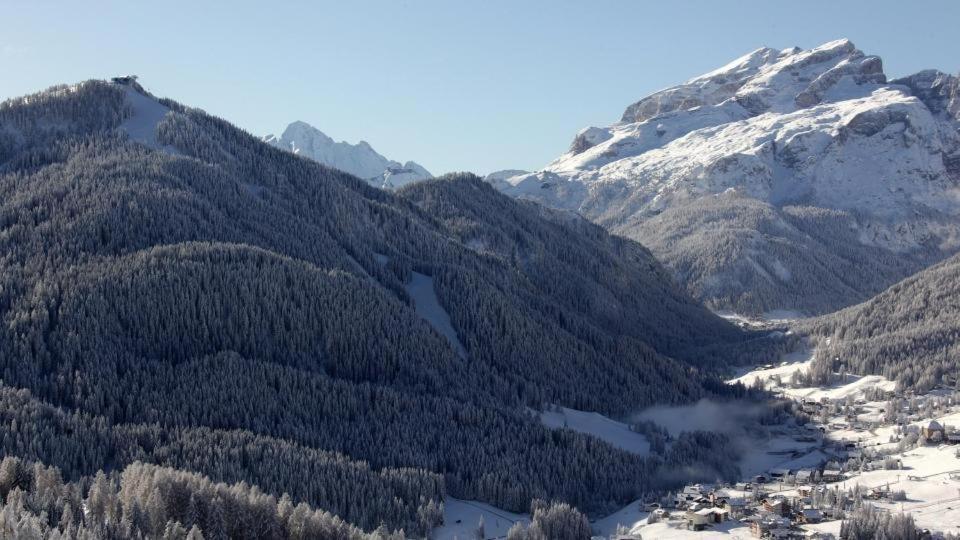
{"x":454,"y":85}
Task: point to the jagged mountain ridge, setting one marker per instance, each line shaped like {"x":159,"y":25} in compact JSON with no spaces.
{"x":359,"y":159}
{"x":786,"y":180}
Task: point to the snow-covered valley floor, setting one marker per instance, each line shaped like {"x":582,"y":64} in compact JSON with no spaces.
{"x":928,"y":474}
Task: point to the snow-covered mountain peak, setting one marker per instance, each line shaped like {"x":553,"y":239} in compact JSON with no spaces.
{"x":732,"y":154}
{"x":767,"y":79}
{"x":357,"y":159}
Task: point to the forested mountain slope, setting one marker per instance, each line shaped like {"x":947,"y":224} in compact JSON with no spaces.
{"x":166,"y":277}
{"x":909,"y":333}
{"x":788,"y":179}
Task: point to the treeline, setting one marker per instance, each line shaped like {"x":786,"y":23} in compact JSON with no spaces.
{"x":406,"y":498}
{"x":553,"y":521}
{"x":868,"y":523}
{"x":146,"y":501}
{"x":910,"y":333}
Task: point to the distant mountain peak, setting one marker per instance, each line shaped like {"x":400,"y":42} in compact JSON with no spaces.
{"x":359,"y":159}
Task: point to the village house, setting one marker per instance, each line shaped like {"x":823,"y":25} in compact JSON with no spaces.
{"x":810,"y":515}
{"x":737,"y":507}
{"x":777,"y":506}
{"x":831,"y":475}
{"x":763,"y":526}
{"x":697,"y":520}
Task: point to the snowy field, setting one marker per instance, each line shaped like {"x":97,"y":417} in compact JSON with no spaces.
{"x":142,"y":125}
{"x":428,"y":306}
{"x":461,"y":518}
{"x":616,"y":433}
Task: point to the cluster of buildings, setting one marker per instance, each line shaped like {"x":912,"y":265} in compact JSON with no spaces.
{"x":769,"y":517}
{"x":765,"y":507}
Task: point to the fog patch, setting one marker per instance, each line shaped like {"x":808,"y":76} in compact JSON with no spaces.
{"x":733,"y":418}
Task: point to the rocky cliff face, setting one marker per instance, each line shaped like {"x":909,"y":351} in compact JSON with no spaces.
{"x":937,"y":90}
{"x":736,"y":177}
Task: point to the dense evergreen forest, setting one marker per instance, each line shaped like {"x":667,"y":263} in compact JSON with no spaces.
{"x":909,"y":333}
{"x":223,"y":308}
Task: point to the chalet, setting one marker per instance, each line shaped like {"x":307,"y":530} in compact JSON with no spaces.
{"x":686,"y":497}
{"x":737,"y":507}
{"x":953,"y":438}
{"x":809,"y":515}
{"x":832,"y":475}
{"x":763,"y":526}
{"x":717,"y":515}
{"x":697,"y":520}
{"x":804,"y":476}
{"x":777,"y":506}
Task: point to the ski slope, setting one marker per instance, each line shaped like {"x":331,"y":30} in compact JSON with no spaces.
{"x":428,"y":307}
{"x":597,"y":425}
